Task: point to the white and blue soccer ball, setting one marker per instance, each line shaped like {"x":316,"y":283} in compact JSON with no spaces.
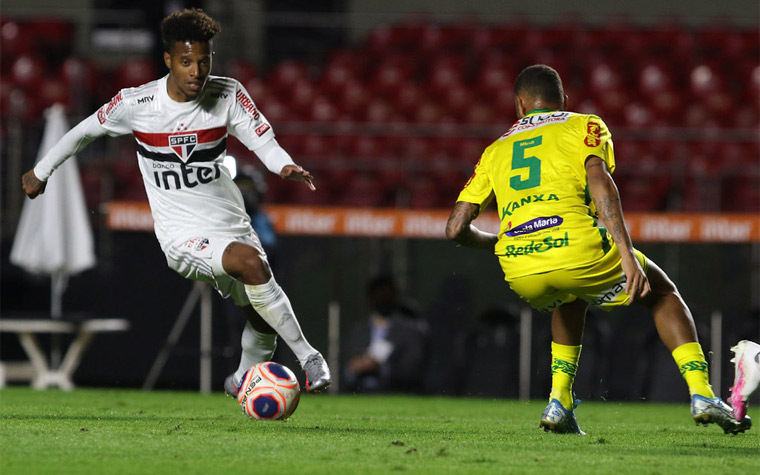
{"x":269,"y":391}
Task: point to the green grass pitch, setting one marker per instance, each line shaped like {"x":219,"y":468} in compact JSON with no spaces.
{"x":130,"y":431}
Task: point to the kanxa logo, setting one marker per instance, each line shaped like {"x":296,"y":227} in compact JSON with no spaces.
{"x":183,"y":145}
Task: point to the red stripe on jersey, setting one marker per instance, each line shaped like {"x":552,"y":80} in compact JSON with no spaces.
{"x":162,"y":140}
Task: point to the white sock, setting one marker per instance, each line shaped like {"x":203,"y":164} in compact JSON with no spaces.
{"x":273,"y":306}
{"x":257,"y":348}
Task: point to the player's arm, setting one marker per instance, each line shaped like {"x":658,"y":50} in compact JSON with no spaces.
{"x":249,"y":125}
{"x":606,"y":197}
{"x":459,"y":227}
{"x":34,"y":181}
{"x":277,"y":160}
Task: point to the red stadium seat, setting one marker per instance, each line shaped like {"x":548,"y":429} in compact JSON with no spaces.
{"x":482,"y":113}
{"x":638,"y":114}
{"x":603,"y":78}
{"x":353,"y":99}
{"x":423,"y":194}
{"x":15,"y":40}
{"x":285,"y":76}
{"x":706,"y":79}
{"x":335,"y":77}
{"x":654,"y":77}
{"x":273,"y":109}
{"x":389,"y":75}
{"x":363,"y":191}
{"x":133,"y":72}
{"x":429,"y":112}
{"x":301,"y":97}
{"x":643,"y":193}
{"x":241,"y":70}
{"x":50,"y":36}
{"x":380,"y":111}
{"x":80,"y":72}
{"x":444,"y":74}
{"x":496,"y":73}
{"x":741,"y":192}
{"x":453,"y":38}
{"x":28,"y":71}
{"x":408,"y":99}
{"x":256,"y":88}
{"x":322,"y":110}
{"x":458,"y":100}
{"x":54,"y":91}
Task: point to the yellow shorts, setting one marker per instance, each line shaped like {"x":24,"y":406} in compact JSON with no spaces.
{"x":601,"y":284}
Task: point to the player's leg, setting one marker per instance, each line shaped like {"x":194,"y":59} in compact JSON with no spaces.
{"x":677,"y":331}
{"x":545,"y":293}
{"x":568,"y":321}
{"x":246,"y":264}
{"x":747,"y":376}
{"x":258,"y":343}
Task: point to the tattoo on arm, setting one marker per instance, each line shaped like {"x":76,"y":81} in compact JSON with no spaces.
{"x":607,"y":200}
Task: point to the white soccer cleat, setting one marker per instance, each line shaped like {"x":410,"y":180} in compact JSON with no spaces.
{"x":231,"y":387}
{"x":746,"y":377}
{"x":317,"y":373}
{"x":715,"y":411}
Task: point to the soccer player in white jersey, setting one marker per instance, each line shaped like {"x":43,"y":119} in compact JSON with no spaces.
{"x":180,"y":123}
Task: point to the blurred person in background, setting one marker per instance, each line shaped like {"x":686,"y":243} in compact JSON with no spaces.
{"x":180,"y":123}
{"x":387,"y":352}
{"x":551,"y":176}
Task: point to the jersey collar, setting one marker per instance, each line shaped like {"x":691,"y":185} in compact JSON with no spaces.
{"x":538,"y":111}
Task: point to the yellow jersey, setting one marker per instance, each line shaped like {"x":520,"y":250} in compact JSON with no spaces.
{"x":537,"y":173}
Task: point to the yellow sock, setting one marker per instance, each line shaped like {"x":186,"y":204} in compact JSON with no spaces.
{"x":564,"y":365}
{"x":691,"y":361}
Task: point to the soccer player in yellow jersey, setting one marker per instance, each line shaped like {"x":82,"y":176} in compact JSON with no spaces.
{"x":563,"y":244}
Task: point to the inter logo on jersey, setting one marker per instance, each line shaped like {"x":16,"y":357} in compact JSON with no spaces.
{"x":183,"y":145}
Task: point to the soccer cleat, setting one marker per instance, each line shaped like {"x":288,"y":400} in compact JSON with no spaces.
{"x":714,"y":410}
{"x":558,"y":419}
{"x":317,"y":373}
{"x":231,"y":388}
{"x":746,"y":377}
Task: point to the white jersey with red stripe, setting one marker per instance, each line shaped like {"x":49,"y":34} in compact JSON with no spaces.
{"x":180,"y":150}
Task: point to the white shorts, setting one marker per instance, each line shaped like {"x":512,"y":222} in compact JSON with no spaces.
{"x":200,"y":258}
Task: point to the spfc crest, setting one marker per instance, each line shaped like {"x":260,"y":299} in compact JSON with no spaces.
{"x":183,"y":145}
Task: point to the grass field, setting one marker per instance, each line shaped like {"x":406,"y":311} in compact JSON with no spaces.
{"x":129,"y":431}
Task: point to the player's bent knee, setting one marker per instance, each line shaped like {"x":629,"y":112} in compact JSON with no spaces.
{"x":661,"y":285}
{"x":244,"y":263}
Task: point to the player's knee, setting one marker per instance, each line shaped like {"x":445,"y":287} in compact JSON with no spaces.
{"x":245,"y":264}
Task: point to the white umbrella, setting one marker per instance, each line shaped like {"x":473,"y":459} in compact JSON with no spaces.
{"x":54,"y":235}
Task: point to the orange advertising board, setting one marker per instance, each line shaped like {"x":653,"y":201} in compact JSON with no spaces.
{"x":430,"y":224}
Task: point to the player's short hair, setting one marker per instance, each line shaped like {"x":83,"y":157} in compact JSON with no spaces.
{"x":542,"y":82}
{"x":190,"y":24}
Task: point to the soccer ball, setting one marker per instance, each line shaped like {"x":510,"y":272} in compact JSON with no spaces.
{"x":269,"y":391}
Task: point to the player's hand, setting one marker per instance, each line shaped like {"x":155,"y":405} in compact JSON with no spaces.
{"x":636,"y":285}
{"x":32,"y":185}
{"x":296,"y":173}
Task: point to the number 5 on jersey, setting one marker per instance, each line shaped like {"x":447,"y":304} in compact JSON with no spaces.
{"x":533,"y":164}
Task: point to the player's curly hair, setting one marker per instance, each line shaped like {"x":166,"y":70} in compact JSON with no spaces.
{"x":190,"y":24}
{"x":540,"y":81}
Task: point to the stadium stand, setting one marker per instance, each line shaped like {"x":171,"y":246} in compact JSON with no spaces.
{"x":404,"y":115}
